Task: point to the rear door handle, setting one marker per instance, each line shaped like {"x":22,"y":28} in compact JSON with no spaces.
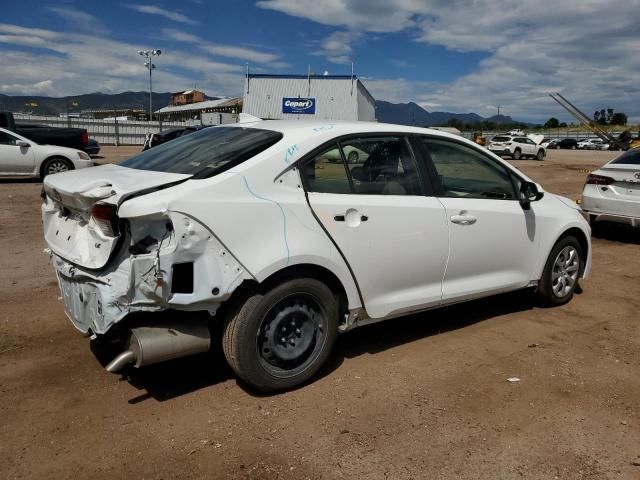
{"x":463,"y":219}
{"x":341,"y":218}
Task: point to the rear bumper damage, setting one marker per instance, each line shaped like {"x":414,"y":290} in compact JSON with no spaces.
{"x":182,"y":267}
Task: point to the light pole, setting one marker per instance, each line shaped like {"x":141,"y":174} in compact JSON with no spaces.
{"x":149,"y":54}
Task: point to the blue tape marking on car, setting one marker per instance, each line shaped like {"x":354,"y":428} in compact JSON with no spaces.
{"x":284,"y":216}
{"x":291,"y":151}
{"x":324,"y":128}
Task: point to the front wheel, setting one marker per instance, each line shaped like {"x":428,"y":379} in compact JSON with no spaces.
{"x":55,"y":165}
{"x":540,"y":155}
{"x":278,"y":339}
{"x":561,"y":272}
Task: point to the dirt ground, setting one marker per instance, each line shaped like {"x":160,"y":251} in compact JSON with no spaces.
{"x":421,"y":397}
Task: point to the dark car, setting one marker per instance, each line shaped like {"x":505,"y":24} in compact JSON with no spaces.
{"x":93,"y":148}
{"x":165,"y":136}
{"x":565,"y":143}
{"x":45,"y":135}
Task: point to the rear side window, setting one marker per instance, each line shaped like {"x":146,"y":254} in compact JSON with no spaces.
{"x":207,"y":152}
{"x":381,"y":165}
{"x":630,"y":157}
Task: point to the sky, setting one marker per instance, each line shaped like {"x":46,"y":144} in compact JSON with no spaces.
{"x":446,"y":55}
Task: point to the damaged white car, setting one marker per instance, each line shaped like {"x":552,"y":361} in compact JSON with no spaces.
{"x":255,"y":224}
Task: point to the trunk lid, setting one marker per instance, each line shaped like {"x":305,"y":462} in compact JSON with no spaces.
{"x":627,"y":181}
{"x":70,"y":229}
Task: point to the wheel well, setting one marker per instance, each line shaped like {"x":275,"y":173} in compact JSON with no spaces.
{"x":582,"y":240}
{"x":249,"y":287}
{"x":53,"y":157}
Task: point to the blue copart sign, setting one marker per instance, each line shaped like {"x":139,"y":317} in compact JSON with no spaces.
{"x":299,"y":105}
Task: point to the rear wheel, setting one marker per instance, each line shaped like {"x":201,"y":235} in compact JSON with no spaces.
{"x":516,"y":154}
{"x":55,"y":165}
{"x":279,"y":339}
{"x":540,"y":155}
{"x":353,"y":157}
{"x":561,"y":272}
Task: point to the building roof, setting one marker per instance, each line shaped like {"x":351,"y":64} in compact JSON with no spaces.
{"x":220,"y":102}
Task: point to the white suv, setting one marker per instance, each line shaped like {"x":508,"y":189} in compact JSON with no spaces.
{"x":516,"y":147}
{"x":255,"y":225}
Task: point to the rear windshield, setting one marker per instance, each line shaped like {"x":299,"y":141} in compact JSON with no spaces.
{"x":501,"y":139}
{"x":205,"y":153}
{"x":630,"y":157}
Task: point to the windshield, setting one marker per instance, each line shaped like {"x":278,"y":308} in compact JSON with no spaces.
{"x":630,"y":157}
{"x":205,"y":153}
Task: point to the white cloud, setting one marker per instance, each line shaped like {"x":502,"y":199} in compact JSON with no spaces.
{"x":75,"y":63}
{"x":220,"y":49}
{"x":170,"y":14}
{"x":587,"y":50}
{"x":337,"y":47}
{"x":79,"y":20}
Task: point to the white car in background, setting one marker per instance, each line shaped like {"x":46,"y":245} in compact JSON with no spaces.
{"x":592,"y":144}
{"x":249,"y":223}
{"x":612,"y":192}
{"x":516,"y":147}
{"x":21,"y":156}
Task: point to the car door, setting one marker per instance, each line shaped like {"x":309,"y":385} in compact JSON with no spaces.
{"x":493,"y":243}
{"x":14,"y":158}
{"x":391,"y":231}
{"x":530,"y":147}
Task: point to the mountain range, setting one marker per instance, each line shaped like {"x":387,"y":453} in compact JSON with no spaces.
{"x":399,"y":113}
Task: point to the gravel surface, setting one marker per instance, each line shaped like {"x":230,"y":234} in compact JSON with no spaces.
{"x":425,"y":396}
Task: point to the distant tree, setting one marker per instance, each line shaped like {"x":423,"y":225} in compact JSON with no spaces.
{"x":455,"y":123}
{"x":562,"y":125}
{"x":619,"y":118}
{"x":603,"y":117}
{"x":609,"y":114}
{"x":552,"y":123}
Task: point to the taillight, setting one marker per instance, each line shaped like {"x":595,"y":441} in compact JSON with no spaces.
{"x":85,"y":138}
{"x":106,"y":218}
{"x":594,"y":179}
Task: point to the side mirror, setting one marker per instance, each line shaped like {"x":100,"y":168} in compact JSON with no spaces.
{"x":23,"y":144}
{"x":529,"y":193}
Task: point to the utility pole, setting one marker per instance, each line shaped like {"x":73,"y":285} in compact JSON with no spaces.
{"x":149,"y":54}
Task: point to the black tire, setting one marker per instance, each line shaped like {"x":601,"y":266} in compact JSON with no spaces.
{"x":278,"y":339}
{"x":55,"y":165}
{"x":516,"y":154}
{"x":353,"y":157}
{"x":547,"y":286}
{"x":540,"y":155}
{"x":573,"y":147}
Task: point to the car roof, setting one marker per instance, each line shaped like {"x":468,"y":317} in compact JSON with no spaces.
{"x":341,"y":127}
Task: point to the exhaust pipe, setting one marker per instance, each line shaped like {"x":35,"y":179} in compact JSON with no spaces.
{"x":154,"y":344}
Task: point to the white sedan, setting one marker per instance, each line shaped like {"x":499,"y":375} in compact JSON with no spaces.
{"x":612,"y":192}
{"x":249,"y":223}
{"x":21,"y":156}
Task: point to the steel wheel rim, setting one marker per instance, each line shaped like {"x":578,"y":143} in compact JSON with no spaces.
{"x":353,"y":157}
{"x":291,"y":335}
{"x":57,"y":167}
{"x":564,"y":273}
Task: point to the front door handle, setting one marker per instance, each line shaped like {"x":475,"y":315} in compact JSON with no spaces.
{"x":463,"y":219}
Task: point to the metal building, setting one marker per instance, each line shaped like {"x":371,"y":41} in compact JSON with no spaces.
{"x":327,"y":97}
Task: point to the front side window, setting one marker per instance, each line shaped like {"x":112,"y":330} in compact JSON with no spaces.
{"x":7,"y":139}
{"x":467,"y":173}
{"x":207,"y":152}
